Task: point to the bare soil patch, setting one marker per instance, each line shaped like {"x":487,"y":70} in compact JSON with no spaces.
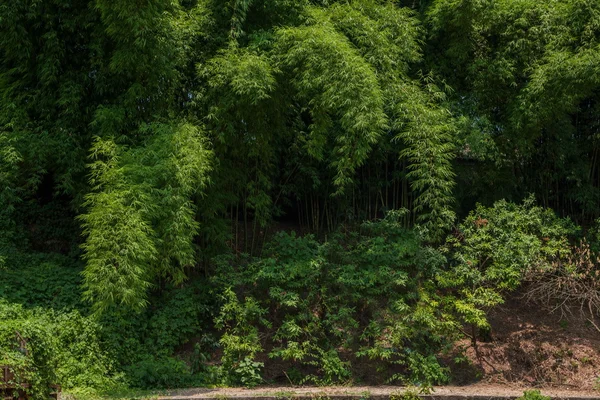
{"x":531,"y":347}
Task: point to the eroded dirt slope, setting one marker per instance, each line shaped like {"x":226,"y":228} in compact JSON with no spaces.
{"x":530,"y":346}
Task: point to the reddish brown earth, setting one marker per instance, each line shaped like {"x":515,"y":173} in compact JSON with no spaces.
{"x":532,"y":347}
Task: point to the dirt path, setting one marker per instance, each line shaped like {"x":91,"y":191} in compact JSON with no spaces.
{"x":470,"y":392}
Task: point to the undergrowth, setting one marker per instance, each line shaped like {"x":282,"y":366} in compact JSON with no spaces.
{"x":376,"y":295}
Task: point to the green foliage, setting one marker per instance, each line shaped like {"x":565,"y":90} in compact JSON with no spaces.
{"x":240,"y":342}
{"x":119,"y":247}
{"x":387,"y":36}
{"x":63,"y":348}
{"x":41,"y":280}
{"x":161,"y":372}
{"x":408,"y":394}
{"x":9,"y":157}
{"x":497,"y":245}
{"x":494,"y":249}
{"x":334,"y":82}
{"x":143,"y":145}
{"x":364,"y":293}
{"x":528,"y":72}
{"x":321,"y":54}
{"x":141,"y":223}
{"x":153,"y":90}
{"x":148,"y":341}
{"x":138,"y":347}
{"x":429,"y":136}
{"x":248,"y":372}
{"x":533,"y":395}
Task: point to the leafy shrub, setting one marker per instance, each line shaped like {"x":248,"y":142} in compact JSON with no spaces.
{"x":533,"y":395}
{"x":45,"y":280}
{"x":379,"y":292}
{"x":130,"y":342}
{"x":496,"y":246}
{"x":62,"y":348}
{"x":161,"y":372}
{"x":365,"y":294}
{"x":176,"y":315}
{"x":152,"y":337}
{"x":410,"y":393}
{"x":494,"y":249}
{"x":249,"y":372}
{"x":240,"y":342}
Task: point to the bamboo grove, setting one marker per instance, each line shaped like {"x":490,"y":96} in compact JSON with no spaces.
{"x":154,"y":144}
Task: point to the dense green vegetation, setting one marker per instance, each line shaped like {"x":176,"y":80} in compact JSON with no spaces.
{"x":194,"y":190}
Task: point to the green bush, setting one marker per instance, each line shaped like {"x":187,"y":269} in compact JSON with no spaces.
{"x":62,"y":348}
{"x":174,"y":316}
{"x":38,"y":279}
{"x":240,"y":342}
{"x":379,"y":292}
{"x":533,"y":395}
{"x":360,"y":294}
{"x":129,"y":342}
{"x":376,"y":293}
{"x":494,"y":249}
{"x":161,"y":372}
